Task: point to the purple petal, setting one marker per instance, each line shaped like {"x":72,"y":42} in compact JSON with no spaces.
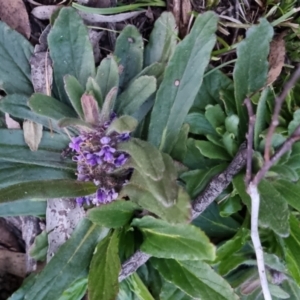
{"x":120,"y":160}
{"x":75,"y":143}
{"x":124,"y":137}
{"x":105,"y":140}
{"x":80,"y":200}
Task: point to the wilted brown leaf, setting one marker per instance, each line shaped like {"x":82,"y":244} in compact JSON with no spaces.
{"x":15,"y":15}
{"x":276,"y":58}
{"x":33,"y":133}
{"x":11,"y":123}
{"x":90,"y":109}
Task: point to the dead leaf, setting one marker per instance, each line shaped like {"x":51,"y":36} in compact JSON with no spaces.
{"x":276,"y":58}
{"x":90,"y":109}
{"x":181,"y":10}
{"x":41,"y":72}
{"x":11,"y":123}
{"x":15,"y":15}
{"x":33,"y":133}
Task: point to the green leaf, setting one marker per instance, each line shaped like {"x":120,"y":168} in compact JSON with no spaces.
{"x":289,"y":191}
{"x":15,"y":70}
{"x":76,"y":291}
{"x":180,"y":241}
{"x":180,"y":212}
{"x":182,"y":80}
{"x":38,"y":250}
{"x":260,"y":121}
{"x":77,"y":123}
{"x":156,"y":70}
{"x":104,"y":270}
{"x":162,"y":41}
{"x":49,"y":107}
{"x":69,"y":37}
{"x":50,"y":141}
{"x":195,"y":278}
{"x":74,"y":91}
{"x":251,"y":68}
{"x":68,"y":263}
{"x":230,"y":206}
{"x":123,"y":124}
{"x":199,"y":124}
{"x":214,"y":225}
{"x":92,"y":88}
{"x":23,"y":208}
{"x":273,"y":212}
{"x":12,"y":173}
{"x":135,"y":95}
{"x":25,"y":287}
{"x":212,"y":151}
{"x":16,"y":106}
{"x":170,"y":292}
{"x":107,"y":75}
{"x":45,"y":189}
{"x":129,"y":50}
{"x":138,"y":287}
{"x":232,"y":124}
{"x":232,"y":246}
{"x":113,"y":215}
{"x":214,"y":84}
{"x":291,"y":249}
{"x":145,"y":158}
{"x":215,"y":115}
{"x":197,"y":180}
{"x":295,"y":123}
{"x":180,"y":147}
{"x":163,"y":191}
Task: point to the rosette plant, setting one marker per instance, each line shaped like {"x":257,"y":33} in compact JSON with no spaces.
{"x":125,"y":147}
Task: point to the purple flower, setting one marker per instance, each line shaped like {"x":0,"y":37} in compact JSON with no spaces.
{"x":80,"y":200}
{"x":75,"y":143}
{"x":92,"y":159}
{"x":124,"y":137}
{"x":105,"y":140}
{"x":107,"y":153}
{"x":120,"y":160}
{"x":105,"y":196}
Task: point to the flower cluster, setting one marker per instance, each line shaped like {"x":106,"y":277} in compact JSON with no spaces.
{"x":97,"y":157}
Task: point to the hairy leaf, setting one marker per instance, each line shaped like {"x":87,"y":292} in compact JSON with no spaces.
{"x":15,"y":53}
{"x":178,"y":241}
{"x":182,"y":80}
{"x":135,"y":95}
{"x":129,"y":50}
{"x":45,"y":189}
{"x":195,"y":278}
{"x":162,"y":41}
{"x":104,"y":269}
{"x":113,"y":215}
{"x":251,"y":69}
{"x":70,"y":50}
{"x":72,"y":258}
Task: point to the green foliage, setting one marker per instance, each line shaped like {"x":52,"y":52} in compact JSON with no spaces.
{"x":182,"y":242}
{"x":40,"y":247}
{"x":70,"y":50}
{"x":168,"y":112}
{"x":70,"y":261}
{"x":113,"y":215}
{"x":104,"y":269}
{"x":196,"y":278}
{"x":15,"y":52}
{"x":251,"y":68}
{"x":193,"y":118}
